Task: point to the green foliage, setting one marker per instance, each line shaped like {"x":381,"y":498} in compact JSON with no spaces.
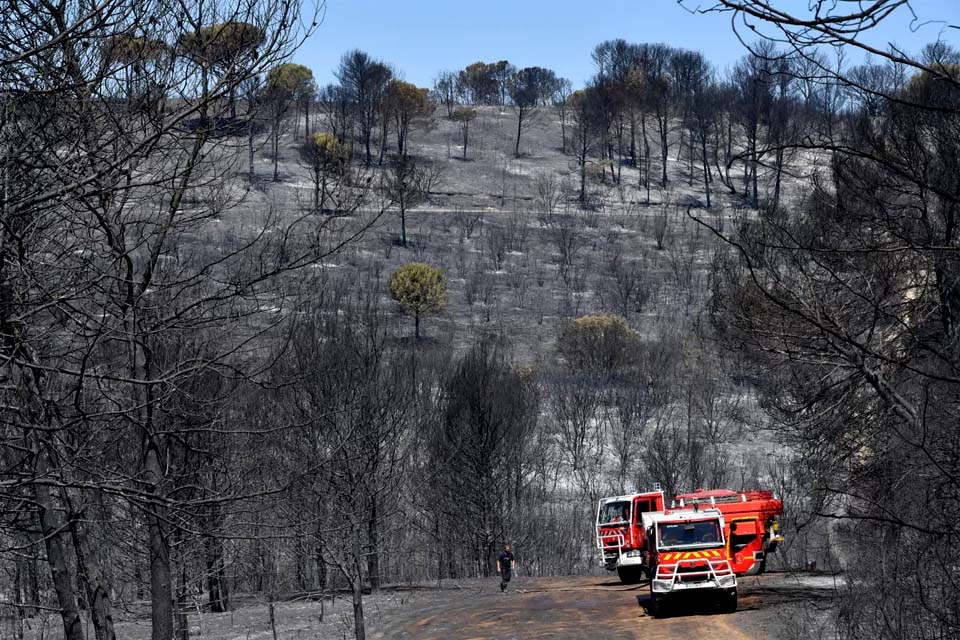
{"x":324,"y":152}
{"x":480,"y":80}
{"x":464,"y":114}
{"x":407,"y":103}
{"x":577,"y":98}
{"x":328,"y":160}
{"x":290,"y":79}
{"x":485,"y":83}
{"x":325,"y":143}
{"x":532,"y":86}
{"x":126,"y":49}
{"x":599,"y":342}
{"x":408,"y":98}
{"x":419,"y":288}
{"x":219,"y":45}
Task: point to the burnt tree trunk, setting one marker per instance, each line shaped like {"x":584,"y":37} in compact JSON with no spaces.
{"x":373,"y":534}
{"x":356,"y":586}
{"x":516,"y":148}
{"x":63,"y":582}
{"x":183,"y":625}
{"x":706,"y":168}
{"x":94,"y":580}
{"x":216,"y":575}
{"x":161,"y":587}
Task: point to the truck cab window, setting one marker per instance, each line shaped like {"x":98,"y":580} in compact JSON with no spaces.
{"x":614,"y":512}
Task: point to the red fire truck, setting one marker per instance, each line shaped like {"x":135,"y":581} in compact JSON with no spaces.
{"x":621,"y":534}
{"x":751,"y":529}
{"x":752,"y":524}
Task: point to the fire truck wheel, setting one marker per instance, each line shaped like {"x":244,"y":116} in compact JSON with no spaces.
{"x":729,"y":602}
{"x":658,"y":606}
{"x":628,"y":575}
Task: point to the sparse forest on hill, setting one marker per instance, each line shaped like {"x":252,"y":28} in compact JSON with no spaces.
{"x":263,"y":340}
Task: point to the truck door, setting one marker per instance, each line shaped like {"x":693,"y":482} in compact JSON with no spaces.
{"x":745,"y":544}
{"x":640,"y":507}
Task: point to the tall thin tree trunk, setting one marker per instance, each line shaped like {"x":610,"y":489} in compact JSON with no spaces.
{"x":26,"y":572}
{"x":216,"y":575}
{"x":356,"y":580}
{"x":306,"y":118}
{"x":373,"y":536}
{"x":563,"y":131}
{"x":251,"y":175}
{"x":183,"y":625}
{"x":321,"y":565}
{"x":367,"y":134}
{"x":646,"y":155}
{"x":516,"y":148}
{"x":440,"y":554}
{"x":323,"y":191}
{"x":706,"y":168}
{"x":204,"y":95}
{"x":276,"y":148}
{"x":746,"y":172}
{"x":583,"y":177}
{"x":92,"y":576}
{"x":778,"y":179}
{"x":63,"y":582}
{"x":723,"y":173}
{"x":271,"y":607}
{"x":664,"y":151}
{"x":384,"y":132}
{"x":161,"y":587}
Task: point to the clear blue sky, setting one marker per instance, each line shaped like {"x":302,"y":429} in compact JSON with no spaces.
{"x":421,"y":37}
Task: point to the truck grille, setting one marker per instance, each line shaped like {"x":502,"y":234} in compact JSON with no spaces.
{"x":694,"y":573}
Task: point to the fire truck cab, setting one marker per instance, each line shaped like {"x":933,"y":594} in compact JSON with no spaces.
{"x":752,"y":524}
{"x":622,"y":535}
{"x":687,"y":551}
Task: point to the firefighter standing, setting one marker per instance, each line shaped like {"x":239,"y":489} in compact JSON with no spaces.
{"x":505,"y":566}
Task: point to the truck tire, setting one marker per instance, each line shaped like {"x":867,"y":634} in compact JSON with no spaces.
{"x":658,"y":606}
{"x":728,"y":604}
{"x":628,"y":575}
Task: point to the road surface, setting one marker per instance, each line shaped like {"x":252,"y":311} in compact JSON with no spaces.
{"x":591,"y":607}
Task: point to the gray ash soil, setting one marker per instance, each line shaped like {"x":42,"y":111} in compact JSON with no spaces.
{"x":573,"y":608}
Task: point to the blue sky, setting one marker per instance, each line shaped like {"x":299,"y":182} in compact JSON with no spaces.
{"x":421,"y":37}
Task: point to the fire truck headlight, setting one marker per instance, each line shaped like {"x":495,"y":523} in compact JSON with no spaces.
{"x":635,"y":553}
{"x":728,"y":581}
{"x":661,"y":585}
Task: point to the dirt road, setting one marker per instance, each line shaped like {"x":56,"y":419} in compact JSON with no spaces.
{"x":591,"y":607}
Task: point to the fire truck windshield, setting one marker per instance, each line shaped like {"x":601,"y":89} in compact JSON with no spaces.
{"x":701,"y":534}
{"x":614,"y":512}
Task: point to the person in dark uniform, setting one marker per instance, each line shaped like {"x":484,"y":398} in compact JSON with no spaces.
{"x":505,"y":566}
